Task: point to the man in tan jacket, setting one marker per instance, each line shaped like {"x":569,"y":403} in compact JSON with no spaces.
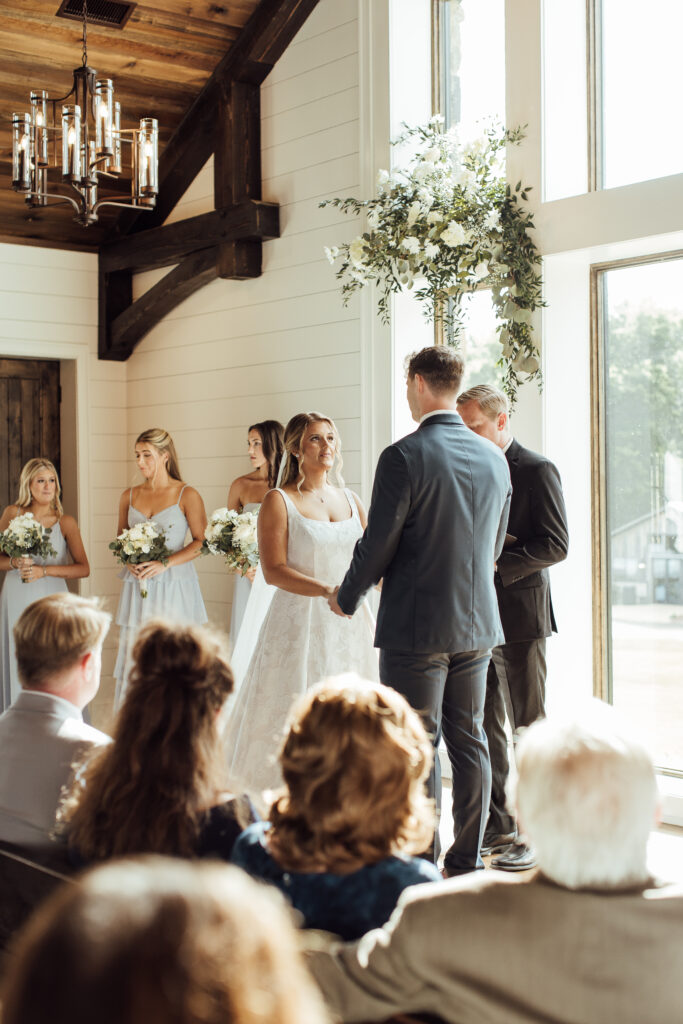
{"x":588,"y":939}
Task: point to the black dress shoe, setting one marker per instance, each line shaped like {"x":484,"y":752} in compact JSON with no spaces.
{"x":495,"y":843}
{"x":517,"y":857}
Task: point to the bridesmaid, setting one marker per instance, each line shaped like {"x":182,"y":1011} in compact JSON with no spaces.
{"x":39,"y":493}
{"x":265,"y":446}
{"x":173,"y":590}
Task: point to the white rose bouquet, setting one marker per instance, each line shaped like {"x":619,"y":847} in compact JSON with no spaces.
{"x":445,"y":226}
{"x":144,"y":542}
{"x":233,"y":535}
{"x":25,"y":537}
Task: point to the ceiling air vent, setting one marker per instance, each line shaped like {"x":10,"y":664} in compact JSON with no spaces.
{"x":113,"y":13}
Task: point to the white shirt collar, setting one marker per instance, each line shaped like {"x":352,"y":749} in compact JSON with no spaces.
{"x":507,"y":445}
{"x":41,"y":701}
{"x":436,"y":412}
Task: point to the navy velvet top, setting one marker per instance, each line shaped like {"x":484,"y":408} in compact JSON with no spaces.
{"x":348,"y":905}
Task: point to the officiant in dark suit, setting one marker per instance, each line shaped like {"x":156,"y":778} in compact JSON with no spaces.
{"x":537,"y":538}
{"x":436,"y":526}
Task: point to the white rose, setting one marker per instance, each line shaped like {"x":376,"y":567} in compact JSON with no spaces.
{"x":431,"y":156}
{"x":431,"y":250}
{"x":455,"y":234}
{"x":422,"y":172}
{"x":525,"y":363}
{"x":383,"y":178}
{"x":331,"y":253}
{"x":480,"y":271}
{"x":492,"y":221}
{"x":522,"y":316}
{"x":434,"y":217}
{"x":357,"y":251}
{"x":244,"y":533}
{"x":411,"y":244}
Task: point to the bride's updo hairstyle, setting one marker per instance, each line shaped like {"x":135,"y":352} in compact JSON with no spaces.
{"x":163,"y":442}
{"x":31,"y":470}
{"x":148,"y":791}
{"x":354,"y":762}
{"x":271,"y":433}
{"x":292,"y":472}
{"x":156,"y":940}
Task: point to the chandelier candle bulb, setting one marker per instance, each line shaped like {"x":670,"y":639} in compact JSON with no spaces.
{"x":147,"y":142}
{"x":71,"y":143}
{"x":115,"y":165}
{"x":39,"y":123}
{"x":21,"y":152}
{"x":104,"y":121}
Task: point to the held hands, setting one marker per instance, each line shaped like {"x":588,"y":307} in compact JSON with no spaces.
{"x":30,"y":572}
{"x":334,"y":604}
{"x":251,"y":574}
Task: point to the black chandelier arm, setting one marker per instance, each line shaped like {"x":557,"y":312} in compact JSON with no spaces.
{"x":52,"y":195}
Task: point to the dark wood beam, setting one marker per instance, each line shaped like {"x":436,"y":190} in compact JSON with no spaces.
{"x":161,"y":247}
{"x":262,"y":41}
{"x":237,"y":172}
{"x":131,"y":325}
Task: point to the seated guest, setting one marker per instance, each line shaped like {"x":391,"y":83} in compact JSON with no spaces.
{"x":58,"y":642}
{"x":588,"y":939}
{"x":159,"y":787}
{"x":154,"y":939}
{"x":339,"y":840}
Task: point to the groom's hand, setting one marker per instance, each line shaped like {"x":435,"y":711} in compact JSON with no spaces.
{"x":334,"y":604}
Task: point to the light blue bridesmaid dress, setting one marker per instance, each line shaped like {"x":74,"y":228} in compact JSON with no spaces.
{"x":16,"y":596}
{"x":174,"y":594}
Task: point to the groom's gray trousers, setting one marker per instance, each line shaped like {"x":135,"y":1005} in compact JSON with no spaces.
{"x":449,"y":690}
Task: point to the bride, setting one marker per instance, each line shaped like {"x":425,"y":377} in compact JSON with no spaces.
{"x":307,"y":531}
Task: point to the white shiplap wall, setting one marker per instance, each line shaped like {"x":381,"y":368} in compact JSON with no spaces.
{"x":242,"y":351}
{"x":48,"y":310}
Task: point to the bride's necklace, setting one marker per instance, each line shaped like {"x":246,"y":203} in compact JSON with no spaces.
{"x":314,"y":493}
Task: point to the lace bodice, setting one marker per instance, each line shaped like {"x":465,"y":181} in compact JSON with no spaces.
{"x":318,"y":549}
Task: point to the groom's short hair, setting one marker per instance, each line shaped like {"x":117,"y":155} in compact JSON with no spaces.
{"x":53,"y":633}
{"x":441,"y":367}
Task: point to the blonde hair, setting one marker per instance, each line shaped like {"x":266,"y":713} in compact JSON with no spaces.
{"x":54,"y":632}
{"x":155,"y":939}
{"x":492,"y":401}
{"x":149,"y":790}
{"x":292,"y":472}
{"x":30,"y":470}
{"x":163,"y":442}
{"x":354,"y":763}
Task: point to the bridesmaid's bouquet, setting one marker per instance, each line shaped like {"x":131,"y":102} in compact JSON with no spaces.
{"x":144,"y":542}
{"x":25,"y":536}
{"x":233,"y":535}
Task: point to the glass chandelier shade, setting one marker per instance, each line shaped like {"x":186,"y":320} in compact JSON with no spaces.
{"x":85,"y":137}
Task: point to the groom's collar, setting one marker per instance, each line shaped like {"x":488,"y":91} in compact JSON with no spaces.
{"x":439,"y":412}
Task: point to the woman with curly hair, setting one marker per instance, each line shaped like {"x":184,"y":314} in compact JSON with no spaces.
{"x":154,"y":939}
{"x":160,"y":786}
{"x":342,"y":839}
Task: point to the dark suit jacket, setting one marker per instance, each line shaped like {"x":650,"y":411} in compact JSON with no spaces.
{"x":538,"y":520}
{"x":436,"y":525}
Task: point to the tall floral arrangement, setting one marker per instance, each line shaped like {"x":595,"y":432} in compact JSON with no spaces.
{"x":445,"y":226}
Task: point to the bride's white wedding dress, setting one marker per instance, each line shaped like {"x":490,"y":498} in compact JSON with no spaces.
{"x":300,"y":642}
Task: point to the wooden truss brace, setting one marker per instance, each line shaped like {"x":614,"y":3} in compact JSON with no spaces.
{"x":224,"y":120}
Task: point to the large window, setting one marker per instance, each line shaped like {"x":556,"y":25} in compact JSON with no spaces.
{"x":642,"y":394}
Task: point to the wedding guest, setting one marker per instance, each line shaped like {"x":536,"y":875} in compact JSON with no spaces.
{"x":59,"y":648}
{"x":340,"y":840}
{"x":172,"y":588}
{"x":591,"y":938}
{"x":265,"y":447}
{"x":30,"y":578}
{"x":154,"y":939}
{"x":160,"y":786}
{"x":307,"y":529}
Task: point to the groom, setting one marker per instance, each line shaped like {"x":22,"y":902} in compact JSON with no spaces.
{"x":436,"y":526}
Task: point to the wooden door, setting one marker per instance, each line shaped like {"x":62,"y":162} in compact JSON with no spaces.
{"x":29,"y":419}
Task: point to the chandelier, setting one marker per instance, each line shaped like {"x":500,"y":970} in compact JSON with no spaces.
{"x":88,"y":141}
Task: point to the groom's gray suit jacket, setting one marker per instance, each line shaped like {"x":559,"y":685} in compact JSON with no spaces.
{"x":436,"y":526}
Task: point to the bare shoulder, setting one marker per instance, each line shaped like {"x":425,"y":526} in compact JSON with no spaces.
{"x":10,"y":513}
{"x":67,"y":524}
